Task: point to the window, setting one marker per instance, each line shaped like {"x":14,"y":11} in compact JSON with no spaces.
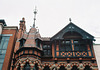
{"x":76,"y":41}
{"x":1,"y":66}
{"x":22,"y":41}
{"x":45,"y":46}
{"x":65,"y":45}
{"x":67,"y":42}
{"x":38,"y":43}
{"x":47,"y":49}
{"x":76,"y":47}
{"x":3,"y":48}
{"x":79,"y":45}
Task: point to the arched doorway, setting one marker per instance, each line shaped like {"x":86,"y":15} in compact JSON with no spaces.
{"x":46,"y":68}
{"x":27,"y":66}
{"x":74,"y":68}
{"x":62,"y":68}
{"x":87,"y":68}
{"x":36,"y":67}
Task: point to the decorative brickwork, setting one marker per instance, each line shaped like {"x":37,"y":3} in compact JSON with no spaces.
{"x":70,"y":49}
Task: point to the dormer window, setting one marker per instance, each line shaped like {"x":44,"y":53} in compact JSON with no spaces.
{"x":38,"y":43}
{"x":22,"y":42}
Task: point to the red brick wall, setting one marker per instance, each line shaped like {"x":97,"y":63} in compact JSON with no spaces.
{"x":10,"y":48}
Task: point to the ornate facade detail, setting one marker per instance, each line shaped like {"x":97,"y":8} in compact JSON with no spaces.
{"x":70,"y":49}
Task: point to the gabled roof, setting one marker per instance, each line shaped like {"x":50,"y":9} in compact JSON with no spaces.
{"x":72,"y":27}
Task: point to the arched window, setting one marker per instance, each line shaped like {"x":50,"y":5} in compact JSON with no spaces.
{"x":62,"y":68}
{"x":72,"y":35}
{"x":74,"y":68}
{"x":36,"y":67}
{"x":27,"y":66}
{"x":87,"y":68}
{"x":46,"y":68}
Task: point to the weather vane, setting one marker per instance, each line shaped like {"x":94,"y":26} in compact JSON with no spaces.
{"x":70,"y":19}
{"x":35,"y":12}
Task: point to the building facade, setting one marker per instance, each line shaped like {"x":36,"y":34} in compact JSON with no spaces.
{"x":7,"y":43}
{"x":70,"y":49}
{"x":97,"y":51}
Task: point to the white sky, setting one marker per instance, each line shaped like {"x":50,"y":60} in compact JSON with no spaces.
{"x":53,"y":15}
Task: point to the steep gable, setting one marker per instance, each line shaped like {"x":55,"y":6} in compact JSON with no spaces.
{"x":72,"y":28}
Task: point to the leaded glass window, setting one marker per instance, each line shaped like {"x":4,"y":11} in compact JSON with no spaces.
{"x":79,"y":45}
{"x":47,"y":49}
{"x":65,"y":45}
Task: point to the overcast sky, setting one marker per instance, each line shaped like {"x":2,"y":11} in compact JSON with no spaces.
{"x":53,"y":15}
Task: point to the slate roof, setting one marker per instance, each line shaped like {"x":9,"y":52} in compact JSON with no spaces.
{"x":72,"y":27}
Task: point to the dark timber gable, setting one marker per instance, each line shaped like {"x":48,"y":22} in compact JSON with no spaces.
{"x":72,"y":28}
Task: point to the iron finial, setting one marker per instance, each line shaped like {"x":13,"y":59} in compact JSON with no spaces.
{"x":35,"y":12}
{"x":70,"y":19}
